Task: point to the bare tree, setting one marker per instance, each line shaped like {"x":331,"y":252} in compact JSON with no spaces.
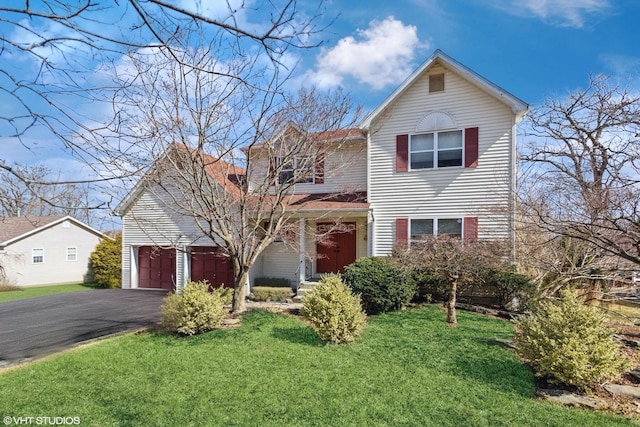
{"x":459,"y":263}
{"x":582,"y":163}
{"x":30,"y":197}
{"x":226,"y":153}
{"x":52,"y":86}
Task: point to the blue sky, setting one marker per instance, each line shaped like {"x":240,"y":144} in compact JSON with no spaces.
{"x":532,"y":48}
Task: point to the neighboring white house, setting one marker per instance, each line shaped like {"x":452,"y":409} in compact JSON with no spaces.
{"x":46,"y":250}
{"x":437,"y":156}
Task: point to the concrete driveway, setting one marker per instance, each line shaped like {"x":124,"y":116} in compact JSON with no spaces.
{"x":36,"y":327}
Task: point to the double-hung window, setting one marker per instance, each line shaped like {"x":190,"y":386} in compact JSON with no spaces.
{"x":298,"y":170}
{"x":72,"y":254}
{"x":37,"y":255}
{"x":436,"y":150}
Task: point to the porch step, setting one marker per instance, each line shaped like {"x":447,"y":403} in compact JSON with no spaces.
{"x":305,"y":288}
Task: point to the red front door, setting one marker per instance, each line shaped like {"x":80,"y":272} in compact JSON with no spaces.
{"x":336,"y":250}
{"x":207,"y":263}
{"x":156,"y":267}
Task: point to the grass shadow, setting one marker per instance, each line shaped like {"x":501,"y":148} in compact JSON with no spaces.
{"x":303,"y":335}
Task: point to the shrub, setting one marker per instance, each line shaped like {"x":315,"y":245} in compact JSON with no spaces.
{"x":334,"y":312}
{"x":381,"y":285}
{"x":568,"y":342}
{"x":507,"y":285}
{"x":193,"y":310}
{"x":265,"y":293}
{"x":106,"y":263}
{"x":274,"y":282}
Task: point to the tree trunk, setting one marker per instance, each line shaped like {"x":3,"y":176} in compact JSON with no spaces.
{"x":240,"y":292}
{"x":451,"y":304}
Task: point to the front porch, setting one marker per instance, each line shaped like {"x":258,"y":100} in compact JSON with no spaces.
{"x":321,"y":245}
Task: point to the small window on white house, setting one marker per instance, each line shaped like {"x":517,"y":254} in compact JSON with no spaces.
{"x":436,"y":150}
{"x":37,"y":255}
{"x":72,"y":254}
{"x":299,"y":169}
{"x":422,"y":229}
{"x":436,"y":83}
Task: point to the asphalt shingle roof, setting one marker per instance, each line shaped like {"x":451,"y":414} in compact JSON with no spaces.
{"x":13,"y":227}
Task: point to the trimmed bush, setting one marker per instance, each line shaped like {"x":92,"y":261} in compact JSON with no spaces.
{"x":381,"y":285}
{"x":334,"y":312}
{"x":266,"y":293}
{"x":507,"y":285}
{"x":568,"y":342}
{"x":273,"y":282}
{"x":194,"y":310}
{"x":106,"y":263}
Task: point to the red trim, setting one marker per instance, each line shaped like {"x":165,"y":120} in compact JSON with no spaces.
{"x":402,"y":153}
{"x":470,"y":228}
{"x":402,"y":231}
{"x":471,"y":147}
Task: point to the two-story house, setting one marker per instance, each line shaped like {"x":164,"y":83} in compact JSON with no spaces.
{"x":436,"y":157}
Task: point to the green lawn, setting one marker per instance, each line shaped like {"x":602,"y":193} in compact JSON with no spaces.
{"x":409,"y":368}
{"x":38,"y":291}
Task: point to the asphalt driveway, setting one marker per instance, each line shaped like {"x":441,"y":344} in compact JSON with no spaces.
{"x":35,"y":327}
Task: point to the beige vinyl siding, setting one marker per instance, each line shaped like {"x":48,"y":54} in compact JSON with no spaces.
{"x":345,"y":170}
{"x":16,"y":258}
{"x":483,"y":191}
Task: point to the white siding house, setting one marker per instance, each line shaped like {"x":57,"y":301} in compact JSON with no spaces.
{"x":46,"y":250}
{"x":442,"y":154}
{"x":437,"y":156}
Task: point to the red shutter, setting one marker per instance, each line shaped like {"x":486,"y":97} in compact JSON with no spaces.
{"x":272,"y":170}
{"x":470,"y":228}
{"x":471,"y":147}
{"x":319,"y":171}
{"x":402,"y":153}
{"x":402,"y":231}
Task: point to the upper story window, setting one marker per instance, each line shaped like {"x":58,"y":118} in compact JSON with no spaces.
{"x":436,"y":150}
{"x":426,"y":228}
{"x":72,"y":254}
{"x":298,"y":170}
{"x":37,"y":255}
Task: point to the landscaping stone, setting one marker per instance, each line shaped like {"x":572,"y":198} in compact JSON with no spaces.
{"x":563,"y":397}
{"x":635,"y":373}
{"x":623,"y":390}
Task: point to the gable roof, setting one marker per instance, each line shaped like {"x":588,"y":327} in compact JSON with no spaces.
{"x":518,"y":107}
{"x":13,"y":229}
{"x":227,"y":175}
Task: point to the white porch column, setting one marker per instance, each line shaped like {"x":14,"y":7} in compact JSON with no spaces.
{"x":133,"y":267}
{"x":301,"y":265}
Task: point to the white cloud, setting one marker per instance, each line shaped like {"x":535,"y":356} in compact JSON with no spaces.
{"x":380,"y":55}
{"x":564,"y":13}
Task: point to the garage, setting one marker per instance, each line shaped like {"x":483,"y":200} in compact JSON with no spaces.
{"x":156,"y":267}
{"x":209,"y":263}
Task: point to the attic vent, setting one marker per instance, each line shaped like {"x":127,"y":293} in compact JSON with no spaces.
{"x":435,"y":120}
{"x":436,"y":83}
{"x":66,"y":224}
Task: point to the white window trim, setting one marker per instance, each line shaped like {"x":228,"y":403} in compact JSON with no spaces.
{"x":75,"y":254}
{"x":33,"y":255}
{"x":436,"y":150}
{"x":435,"y":226}
{"x":295,"y":167}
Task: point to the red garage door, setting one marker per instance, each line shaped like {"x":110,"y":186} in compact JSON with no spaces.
{"x":209,"y":263}
{"x":156,"y":267}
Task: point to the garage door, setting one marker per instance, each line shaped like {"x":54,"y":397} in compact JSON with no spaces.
{"x":209,"y":263}
{"x":156,"y":267}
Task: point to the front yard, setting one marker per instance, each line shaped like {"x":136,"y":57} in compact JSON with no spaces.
{"x":409,"y":368}
{"x":39,"y":291}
